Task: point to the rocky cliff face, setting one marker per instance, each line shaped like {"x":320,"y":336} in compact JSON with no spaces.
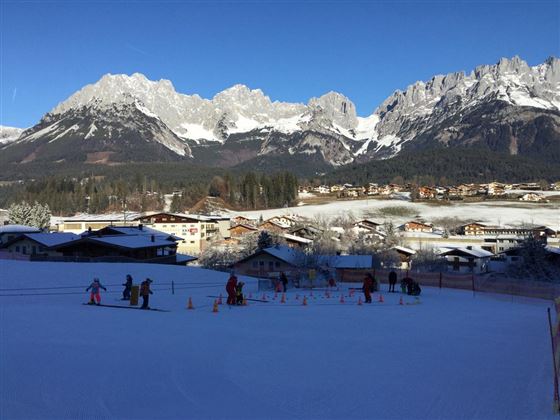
{"x":508,"y":106}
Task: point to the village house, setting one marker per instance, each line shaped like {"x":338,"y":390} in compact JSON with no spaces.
{"x":405,"y":255}
{"x":269,"y":262}
{"x":82,"y":222}
{"x":468,"y":190}
{"x":196,"y":231}
{"x":322,"y":189}
{"x":475,"y":228}
{"x":289,"y":220}
{"x":37,"y":243}
{"x":467,"y":259}
{"x":242,"y":220}
{"x":240,"y":230}
{"x":496,"y":188}
{"x":417,"y":226}
{"x":336,"y":188}
{"x":273,"y":226}
{"x":294,"y":241}
{"x":534,"y":197}
{"x":120,"y":248}
{"x":427,"y":193}
{"x":9,"y":232}
{"x":372,"y":189}
{"x":307,"y":232}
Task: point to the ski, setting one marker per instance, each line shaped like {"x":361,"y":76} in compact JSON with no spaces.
{"x":127,"y":307}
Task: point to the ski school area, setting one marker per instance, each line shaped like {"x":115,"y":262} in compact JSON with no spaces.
{"x":308,"y":354}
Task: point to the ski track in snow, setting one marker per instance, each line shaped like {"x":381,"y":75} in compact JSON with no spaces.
{"x":452,"y":356}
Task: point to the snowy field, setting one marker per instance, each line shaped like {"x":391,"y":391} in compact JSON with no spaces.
{"x":498,"y":212}
{"x":450,"y":356}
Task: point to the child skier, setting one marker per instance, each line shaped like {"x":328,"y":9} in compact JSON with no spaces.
{"x":145,"y":292}
{"x":127,"y":288}
{"x":239,"y":293}
{"x":367,"y":287}
{"x":95,"y":287}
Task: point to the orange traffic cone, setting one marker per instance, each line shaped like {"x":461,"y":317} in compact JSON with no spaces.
{"x":342,"y":298}
{"x":304,"y":301}
{"x":244,"y":303}
{"x":283,"y":299}
{"x":220,"y":299}
{"x":190,"y":305}
{"x":360,"y":301}
{"x":401,"y":301}
{"x":381,"y":298}
{"x":215,"y":307}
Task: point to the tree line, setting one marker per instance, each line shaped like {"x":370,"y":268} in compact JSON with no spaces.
{"x":66,"y":195}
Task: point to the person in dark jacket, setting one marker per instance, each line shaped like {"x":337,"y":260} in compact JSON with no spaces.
{"x":284,"y":280}
{"x":95,"y":287}
{"x":392,"y":281}
{"x":239,"y":293}
{"x":367,"y":287}
{"x":127,"y":288}
{"x":230,"y":289}
{"x":145,"y":292}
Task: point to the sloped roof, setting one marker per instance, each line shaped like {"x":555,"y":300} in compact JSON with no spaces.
{"x":404,"y":250}
{"x":474,"y":252}
{"x":132,"y":241}
{"x":52,"y":239}
{"x":346,"y":261}
{"x":285,"y":253}
{"x":18,"y":229}
{"x":297,"y":239}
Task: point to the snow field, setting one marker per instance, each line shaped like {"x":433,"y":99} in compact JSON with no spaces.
{"x":451,"y":356}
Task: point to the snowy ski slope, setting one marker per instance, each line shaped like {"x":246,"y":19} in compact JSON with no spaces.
{"x":453,"y":356}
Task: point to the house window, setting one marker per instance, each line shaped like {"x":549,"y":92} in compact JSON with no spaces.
{"x":261,"y":263}
{"x":24,"y":250}
{"x":255,"y":264}
{"x":270,"y":265}
{"x":17,"y":248}
{"x":192,"y":242}
{"x":33,"y":249}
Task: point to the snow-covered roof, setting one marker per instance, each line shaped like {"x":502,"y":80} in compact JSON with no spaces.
{"x":404,"y":250}
{"x":346,"y":261}
{"x":552,"y":249}
{"x":132,"y":241}
{"x":297,"y":239}
{"x":52,"y":239}
{"x":285,"y":253}
{"x":110,"y":217}
{"x":475,"y":252}
{"x":18,"y":229}
{"x":135,"y":230}
{"x":184,"y":258}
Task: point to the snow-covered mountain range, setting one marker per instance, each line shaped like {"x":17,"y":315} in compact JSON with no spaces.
{"x":508,"y":106}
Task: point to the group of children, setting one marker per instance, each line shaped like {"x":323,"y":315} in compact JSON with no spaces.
{"x":408,"y":285}
{"x":145,"y":291}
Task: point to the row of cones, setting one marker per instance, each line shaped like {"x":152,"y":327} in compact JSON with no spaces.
{"x":283,"y":300}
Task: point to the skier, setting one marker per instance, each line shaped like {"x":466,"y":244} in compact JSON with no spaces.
{"x":239,"y":293}
{"x":230,"y":288}
{"x":414,"y":288}
{"x":145,"y":292}
{"x":284,"y":280}
{"x":392,"y":281}
{"x":367,"y":287}
{"x":95,"y":287}
{"x":127,"y":288}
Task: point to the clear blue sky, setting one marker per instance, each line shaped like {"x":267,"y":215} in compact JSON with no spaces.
{"x":291,"y":50}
